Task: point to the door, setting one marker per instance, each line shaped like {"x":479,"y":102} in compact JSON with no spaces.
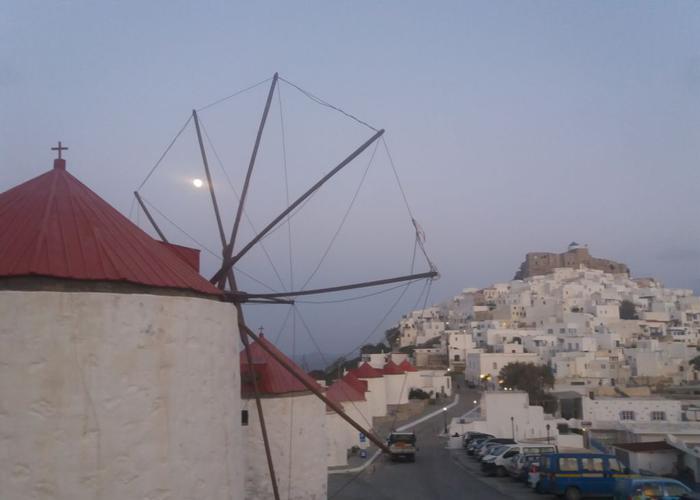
{"x":594,"y":476}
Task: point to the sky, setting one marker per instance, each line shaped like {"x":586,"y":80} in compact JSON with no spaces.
{"x":512,"y":126}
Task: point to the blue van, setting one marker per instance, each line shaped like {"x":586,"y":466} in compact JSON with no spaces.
{"x":578,"y":475}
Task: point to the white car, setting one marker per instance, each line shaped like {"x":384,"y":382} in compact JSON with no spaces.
{"x":497,"y":464}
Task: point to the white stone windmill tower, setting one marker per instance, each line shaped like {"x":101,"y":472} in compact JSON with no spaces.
{"x":109,"y":386}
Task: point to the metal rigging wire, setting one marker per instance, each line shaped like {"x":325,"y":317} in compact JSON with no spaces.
{"x":323,"y":357}
{"x":201,"y":245}
{"x":350,"y":299}
{"x":345,"y":218}
{"x":162,"y":156}
{"x":245,"y":214}
{"x":219,"y":101}
{"x":320,"y":101}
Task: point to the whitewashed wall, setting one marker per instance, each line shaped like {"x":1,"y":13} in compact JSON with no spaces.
{"x":118,"y":396}
{"x":376,"y":396}
{"x":301,"y":417}
{"x":609,"y":409}
{"x":397,"y":389}
{"x":337,"y":435}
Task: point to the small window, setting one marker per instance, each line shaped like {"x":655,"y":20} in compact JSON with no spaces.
{"x":495,"y":366}
{"x":615,"y":465}
{"x":649,"y":490}
{"x":676,"y":490}
{"x":592,"y":464}
{"x":568,"y":464}
{"x":456,"y":358}
{"x":658,"y":415}
{"x":626,"y":415}
{"x":244,"y":417}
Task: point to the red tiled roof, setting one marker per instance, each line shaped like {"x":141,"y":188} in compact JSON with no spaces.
{"x":272,"y":377}
{"x":648,"y":446}
{"x":392,"y":368}
{"x":340,"y":391}
{"x":407,"y":367}
{"x":55,"y":226}
{"x":365,"y":370}
{"x":356,"y":383}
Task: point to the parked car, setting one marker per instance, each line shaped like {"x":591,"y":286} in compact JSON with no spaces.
{"x":472,"y":435}
{"x":519,"y":466}
{"x":652,"y":487}
{"x":511,"y":464}
{"x":487,"y":461}
{"x":577,"y":475}
{"x":497,"y":464}
{"x":491,"y":443}
{"x":474,"y":445}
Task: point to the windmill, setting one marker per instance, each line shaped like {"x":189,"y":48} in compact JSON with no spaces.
{"x":225,"y":279}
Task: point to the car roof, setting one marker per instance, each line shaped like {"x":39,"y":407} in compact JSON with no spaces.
{"x":577,"y":455}
{"x":655,"y":479}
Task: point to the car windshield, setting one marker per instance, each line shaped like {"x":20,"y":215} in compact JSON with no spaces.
{"x":497,"y":450}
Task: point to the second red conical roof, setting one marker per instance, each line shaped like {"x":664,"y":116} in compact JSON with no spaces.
{"x":272,"y":377}
{"x":365,"y":370}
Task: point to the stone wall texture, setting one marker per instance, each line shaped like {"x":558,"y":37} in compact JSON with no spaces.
{"x":296,"y":427}
{"x":118,"y":396}
{"x":539,"y":263}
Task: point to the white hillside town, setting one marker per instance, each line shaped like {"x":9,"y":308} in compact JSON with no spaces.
{"x":622,"y":353}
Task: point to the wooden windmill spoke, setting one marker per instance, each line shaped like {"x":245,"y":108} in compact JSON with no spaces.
{"x":229,"y":262}
{"x":203,"y":151}
{"x":150,"y":217}
{"x":228,"y":250}
{"x":331,"y":404}
{"x":236,"y":296}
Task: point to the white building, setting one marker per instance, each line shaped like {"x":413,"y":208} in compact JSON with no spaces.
{"x":376,"y":388}
{"x":340,"y":434}
{"x":508,"y":414}
{"x":295,"y":420}
{"x":397,"y":386}
{"x":483,"y":366}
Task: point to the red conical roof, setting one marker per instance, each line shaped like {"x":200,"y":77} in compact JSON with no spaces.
{"x":54,"y":226}
{"x":407,"y":367}
{"x":359,"y":385}
{"x":272,"y":377}
{"x":340,"y":391}
{"x":392,"y":368}
{"x":365,"y":370}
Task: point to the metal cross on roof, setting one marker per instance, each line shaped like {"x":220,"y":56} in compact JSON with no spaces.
{"x":59,"y":148}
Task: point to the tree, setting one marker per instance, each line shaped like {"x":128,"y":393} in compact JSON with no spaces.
{"x":628,"y":310}
{"x":378,"y":348}
{"x":695,"y":363}
{"x":529,"y":377}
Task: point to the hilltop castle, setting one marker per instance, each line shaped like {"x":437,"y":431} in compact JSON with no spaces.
{"x":538,"y":263}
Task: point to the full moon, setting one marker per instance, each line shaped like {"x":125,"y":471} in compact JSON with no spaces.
{"x":198,"y":183}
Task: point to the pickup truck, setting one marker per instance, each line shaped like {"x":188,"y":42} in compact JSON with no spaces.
{"x":402,"y":445}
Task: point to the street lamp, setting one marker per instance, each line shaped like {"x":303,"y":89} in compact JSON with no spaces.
{"x":444,"y":415}
{"x":547,"y":426}
{"x":512,"y":426}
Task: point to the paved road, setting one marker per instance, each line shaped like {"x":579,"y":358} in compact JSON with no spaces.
{"x":437,"y":474}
